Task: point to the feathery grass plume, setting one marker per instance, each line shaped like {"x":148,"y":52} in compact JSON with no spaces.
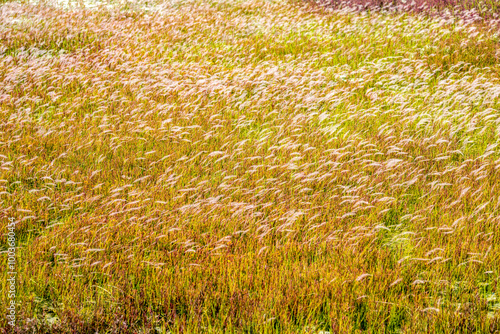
{"x":211,"y":166}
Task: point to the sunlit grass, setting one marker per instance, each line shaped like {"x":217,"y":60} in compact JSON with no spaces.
{"x":249,"y":167}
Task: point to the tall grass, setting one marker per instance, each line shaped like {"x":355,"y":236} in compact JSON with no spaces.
{"x":248,"y":166}
{"x":470,"y":10}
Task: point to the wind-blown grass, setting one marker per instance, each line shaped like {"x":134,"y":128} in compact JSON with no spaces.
{"x":249,"y":167}
{"x":469,"y":10}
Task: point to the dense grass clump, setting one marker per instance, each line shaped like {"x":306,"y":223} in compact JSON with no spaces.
{"x":470,"y":10}
{"x":250,"y":166}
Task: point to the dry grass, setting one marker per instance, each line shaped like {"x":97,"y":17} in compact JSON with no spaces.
{"x":249,"y":167}
{"x":468,"y":10}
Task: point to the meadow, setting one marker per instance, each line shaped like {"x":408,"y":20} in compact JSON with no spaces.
{"x":248,"y":166}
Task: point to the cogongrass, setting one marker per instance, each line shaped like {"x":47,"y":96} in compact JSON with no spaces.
{"x":248,"y":167}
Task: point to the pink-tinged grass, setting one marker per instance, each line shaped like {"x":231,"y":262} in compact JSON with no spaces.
{"x":249,"y":167}
{"x":469,"y":10}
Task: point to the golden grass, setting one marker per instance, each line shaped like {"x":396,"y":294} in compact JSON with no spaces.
{"x":249,"y":167}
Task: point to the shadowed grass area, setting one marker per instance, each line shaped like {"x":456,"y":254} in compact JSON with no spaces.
{"x":474,"y":10}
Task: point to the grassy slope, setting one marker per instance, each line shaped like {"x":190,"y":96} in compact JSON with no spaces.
{"x":249,"y":166}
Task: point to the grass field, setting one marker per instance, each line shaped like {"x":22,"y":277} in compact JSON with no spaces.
{"x":248,"y":166}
